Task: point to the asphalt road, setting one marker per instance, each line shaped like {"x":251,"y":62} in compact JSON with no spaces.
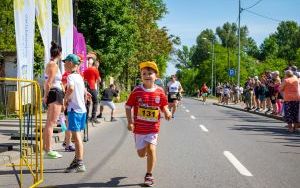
{"x":204,"y":146}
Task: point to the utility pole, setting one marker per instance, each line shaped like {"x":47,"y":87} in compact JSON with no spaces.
{"x":212,"y":64}
{"x":239,"y":52}
{"x":215,"y":63}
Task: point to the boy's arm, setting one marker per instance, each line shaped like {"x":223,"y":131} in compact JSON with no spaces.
{"x":70,"y":90}
{"x":130,"y":125}
{"x":128,"y":107}
{"x":167,"y":112}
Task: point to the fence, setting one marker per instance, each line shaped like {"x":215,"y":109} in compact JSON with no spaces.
{"x":5,"y":91}
{"x":28,"y":103}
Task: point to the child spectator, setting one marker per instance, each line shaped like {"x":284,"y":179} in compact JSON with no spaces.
{"x":75,"y":98}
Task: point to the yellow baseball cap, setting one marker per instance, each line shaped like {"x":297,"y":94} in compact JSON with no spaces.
{"x":150,"y":64}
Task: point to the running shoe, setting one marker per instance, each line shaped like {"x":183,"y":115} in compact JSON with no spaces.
{"x":113,"y":119}
{"x":94,"y":120}
{"x":53,"y":155}
{"x":149,"y":180}
{"x":70,"y":148}
{"x":75,"y":167}
{"x":100,"y":115}
{"x":64,"y":144}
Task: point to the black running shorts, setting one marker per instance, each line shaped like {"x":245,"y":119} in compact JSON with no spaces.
{"x":55,"y":95}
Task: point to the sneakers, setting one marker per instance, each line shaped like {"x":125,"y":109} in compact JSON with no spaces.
{"x":53,"y":155}
{"x":64,"y":144}
{"x":75,"y":167}
{"x":70,"y":148}
{"x":149,"y":180}
{"x":94,"y":120}
{"x":100,"y":115}
{"x":113,"y":119}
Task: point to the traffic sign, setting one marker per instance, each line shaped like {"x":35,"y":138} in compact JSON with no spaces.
{"x":231,"y":72}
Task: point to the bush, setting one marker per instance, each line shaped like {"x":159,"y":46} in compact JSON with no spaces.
{"x":123,"y":96}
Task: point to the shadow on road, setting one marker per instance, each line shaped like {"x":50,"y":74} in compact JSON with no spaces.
{"x":114,"y":182}
{"x":246,"y":117}
{"x":281,"y":133}
{"x":97,"y":166}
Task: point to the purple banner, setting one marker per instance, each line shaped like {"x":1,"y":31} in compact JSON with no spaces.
{"x":79,"y":47}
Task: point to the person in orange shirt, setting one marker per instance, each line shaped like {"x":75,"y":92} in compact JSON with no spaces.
{"x":290,"y":89}
{"x":92,"y":77}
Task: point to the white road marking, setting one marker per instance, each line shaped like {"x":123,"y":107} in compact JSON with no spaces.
{"x":187,"y":110}
{"x":203,"y":128}
{"x":183,"y":107}
{"x":193,"y":117}
{"x":239,"y":166}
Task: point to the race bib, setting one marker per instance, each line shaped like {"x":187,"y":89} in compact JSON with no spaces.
{"x":148,"y":114}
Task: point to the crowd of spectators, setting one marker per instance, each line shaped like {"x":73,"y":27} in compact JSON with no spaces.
{"x":269,"y":93}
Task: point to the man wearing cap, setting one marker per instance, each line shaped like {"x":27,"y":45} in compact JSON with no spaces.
{"x":92,"y":76}
{"x":75,"y":100}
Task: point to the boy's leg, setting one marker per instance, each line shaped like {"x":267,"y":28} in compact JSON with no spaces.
{"x":142,"y":152}
{"x":76,"y":124}
{"x":78,"y":145}
{"x":151,"y":157}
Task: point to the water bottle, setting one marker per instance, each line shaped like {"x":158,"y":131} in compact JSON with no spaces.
{"x":62,"y":121}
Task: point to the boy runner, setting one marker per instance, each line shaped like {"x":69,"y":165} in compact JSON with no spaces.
{"x":147,"y":101}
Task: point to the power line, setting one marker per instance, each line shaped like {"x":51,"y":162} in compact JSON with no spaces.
{"x":252,"y":5}
{"x":260,"y":15}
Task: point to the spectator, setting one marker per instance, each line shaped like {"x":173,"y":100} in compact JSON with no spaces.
{"x":92,"y":76}
{"x":53,"y":97}
{"x":107,"y":100}
{"x":290,"y":89}
{"x":219,"y":92}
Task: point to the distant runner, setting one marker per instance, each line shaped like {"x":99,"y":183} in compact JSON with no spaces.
{"x":174,"y":90}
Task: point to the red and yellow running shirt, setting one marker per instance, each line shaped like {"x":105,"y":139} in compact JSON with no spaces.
{"x":146,"y":104}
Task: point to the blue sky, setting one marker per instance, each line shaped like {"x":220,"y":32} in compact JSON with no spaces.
{"x":187,"y":18}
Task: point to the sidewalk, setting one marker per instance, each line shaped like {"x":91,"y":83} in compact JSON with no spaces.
{"x":10,"y":149}
{"x":241,"y":108}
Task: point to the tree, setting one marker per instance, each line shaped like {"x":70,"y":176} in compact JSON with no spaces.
{"x":251,"y":48}
{"x":269,"y":47}
{"x":7,"y":27}
{"x":284,"y":43}
{"x":154,"y":43}
{"x":109,"y":28}
{"x":203,"y":47}
{"x":286,"y":37}
{"x":184,"y":57}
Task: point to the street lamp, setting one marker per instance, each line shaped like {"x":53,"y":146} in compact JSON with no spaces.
{"x":212,"y":62}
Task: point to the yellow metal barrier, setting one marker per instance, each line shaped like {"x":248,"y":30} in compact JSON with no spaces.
{"x":29,"y":112}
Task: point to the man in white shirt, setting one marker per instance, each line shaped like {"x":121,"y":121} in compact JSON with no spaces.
{"x":174,"y":90}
